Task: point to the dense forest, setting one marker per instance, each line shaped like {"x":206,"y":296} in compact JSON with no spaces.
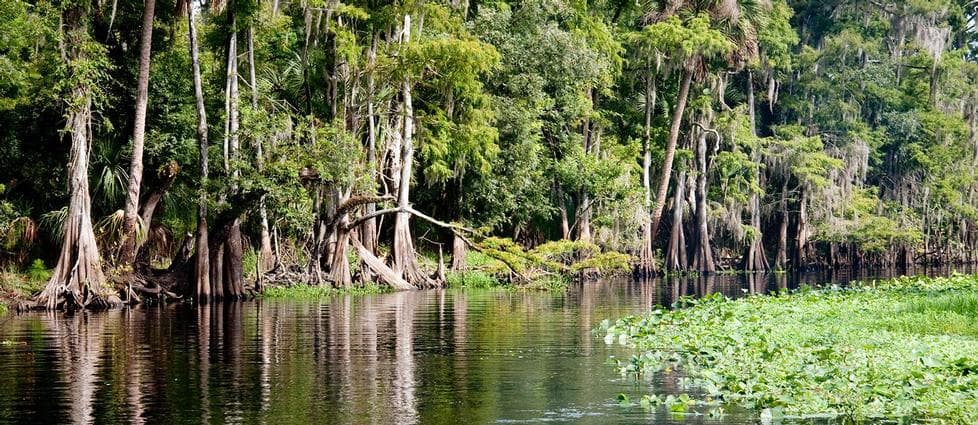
{"x":172,"y":148}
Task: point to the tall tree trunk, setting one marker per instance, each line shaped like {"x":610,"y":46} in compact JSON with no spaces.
{"x":562,"y":207}
{"x":751,"y":108}
{"x":677,"y":119}
{"x":781,"y":259}
{"x":319,"y":234}
{"x":202,"y":266}
{"x":265,"y":256}
{"x":583,"y":215}
{"x":675,"y":254}
{"x":703,"y":259}
{"x":78,"y":273}
{"x":801,"y":253}
{"x":405,"y":262}
{"x":646,"y":256}
{"x":128,"y":250}
{"x":756,"y":258}
{"x":233,"y":272}
{"x":339,"y":268}
{"x":368,"y":231}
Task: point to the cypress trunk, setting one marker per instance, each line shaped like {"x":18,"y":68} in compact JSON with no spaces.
{"x":202,"y":266}
{"x":77,"y":278}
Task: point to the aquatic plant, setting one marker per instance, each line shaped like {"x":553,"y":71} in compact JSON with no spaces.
{"x":904,"y":349}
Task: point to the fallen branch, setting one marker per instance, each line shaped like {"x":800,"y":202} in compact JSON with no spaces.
{"x":457,"y":229}
{"x":354,"y":202}
{"x":379,"y":268}
{"x":502,"y":259}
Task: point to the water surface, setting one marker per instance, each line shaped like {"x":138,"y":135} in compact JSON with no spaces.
{"x":439,"y":356}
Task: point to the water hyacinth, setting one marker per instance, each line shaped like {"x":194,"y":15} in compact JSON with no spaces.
{"x":903,"y":349}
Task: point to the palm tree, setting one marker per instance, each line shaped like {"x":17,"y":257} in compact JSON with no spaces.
{"x":129,"y":244}
{"x":692,"y":33}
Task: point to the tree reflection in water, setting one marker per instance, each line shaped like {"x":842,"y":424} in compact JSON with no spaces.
{"x":450,"y":356}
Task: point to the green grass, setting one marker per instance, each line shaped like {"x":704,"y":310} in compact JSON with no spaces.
{"x":22,"y":284}
{"x":904,"y":349}
{"x":305,"y":291}
{"x":962,"y":303}
{"x":549,"y":283}
{"x":472,"y":279}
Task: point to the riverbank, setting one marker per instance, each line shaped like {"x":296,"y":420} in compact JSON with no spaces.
{"x":17,"y":286}
{"x":898,"y":349}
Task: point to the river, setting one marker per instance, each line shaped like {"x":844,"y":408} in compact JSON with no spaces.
{"x":432,"y":357}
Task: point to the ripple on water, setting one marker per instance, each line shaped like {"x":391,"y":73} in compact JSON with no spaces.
{"x":451,"y":356}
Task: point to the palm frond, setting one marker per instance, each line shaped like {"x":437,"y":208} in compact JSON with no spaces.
{"x":53,"y":222}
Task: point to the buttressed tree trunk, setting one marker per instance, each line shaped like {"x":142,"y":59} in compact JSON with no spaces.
{"x":646,"y":260}
{"x":703,"y":258}
{"x":233,"y":282}
{"x":405,"y":262}
{"x":677,"y":119}
{"x":676,"y":252}
{"x":129,"y":232}
{"x":78,"y":274}
{"x":339,"y":268}
{"x":202,"y":266}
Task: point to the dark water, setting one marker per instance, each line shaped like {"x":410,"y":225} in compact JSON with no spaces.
{"x":442,"y":356}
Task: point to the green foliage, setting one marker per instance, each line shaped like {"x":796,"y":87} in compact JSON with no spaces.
{"x":891,"y":350}
{"x":473,"y":279}
{"x":526,"y":113}
{"x":38,"y":272}
{"x":606,"y":263}
{"x":686,"y":39}
{"x":17,"y":284}
{"x":307,"y":292}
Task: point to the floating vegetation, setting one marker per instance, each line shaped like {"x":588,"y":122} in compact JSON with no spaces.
{"x":903,"y":350}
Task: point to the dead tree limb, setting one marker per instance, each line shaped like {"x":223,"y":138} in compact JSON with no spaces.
{"x":379,"y":268}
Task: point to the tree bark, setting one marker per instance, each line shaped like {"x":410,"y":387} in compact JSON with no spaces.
{"x":202,"y":266}
{"x":781,"y":259}
{"x":676,"y":253}
{"x":368,"y":231}
{"x":405,"y":262}
{"x":677,"y":118}
{"x":703,"y":259}
{"x":148,"y":209}
{"x":756,"y":258}
{"x":458,"y":253}
{"x":339,"y":268}
{"x":562,"y":208}
{"x":801,"y":252}
{"x":78,"y":274}
{"x":231,"y":283}
{"x":647,"y":254}
{"x":591,"y":135}
{"x":265,"y":256}
{"x":127,"y":253}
